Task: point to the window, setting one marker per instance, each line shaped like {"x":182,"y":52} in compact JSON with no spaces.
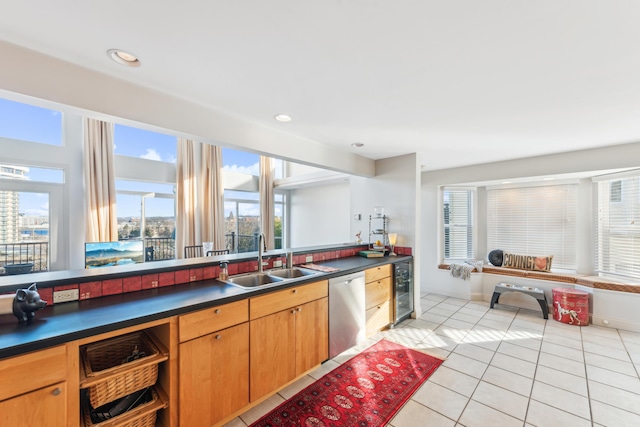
{"x":30,"y":123}
{"x":241,"y":220}
{"x":145,"y":194}
{"x":615,"y":196}
{"x":617,"y":229}
{"x":279,"y":220}
{"x":458,"y":224}
{"x":537,"y":221}
{"x":146,"y":211}
{"x":144,"y":144}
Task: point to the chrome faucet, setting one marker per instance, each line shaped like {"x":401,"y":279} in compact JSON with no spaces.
{"x":262,"y":248}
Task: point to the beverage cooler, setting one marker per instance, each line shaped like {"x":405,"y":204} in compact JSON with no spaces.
{"x":403,"y":290}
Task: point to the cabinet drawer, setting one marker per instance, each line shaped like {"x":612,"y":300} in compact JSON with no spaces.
{"x":32,"y":371}
{"x":378,"y":317}
{"x":287,"y":298}
{"x":377,"y":292}
{"x":377,"y":273}
{"x":213,"y":319}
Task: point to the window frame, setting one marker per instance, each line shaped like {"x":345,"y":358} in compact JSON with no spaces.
{"x":471,"y":225}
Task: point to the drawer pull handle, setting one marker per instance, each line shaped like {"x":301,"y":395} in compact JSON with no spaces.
{"x":56,"y":391}
{"x":299,"y":309}
{"x":295,"y":291}
{"x":293,"y":311}
{"x":217,"y":311}
{"x":218,"y":337}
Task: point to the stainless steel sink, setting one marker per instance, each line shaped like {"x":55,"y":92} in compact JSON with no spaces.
{"x":253,"y":280}
{"x":292,"y":273}
{"x":256,"y":280}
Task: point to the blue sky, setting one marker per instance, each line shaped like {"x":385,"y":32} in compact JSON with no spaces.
{"x":18,"y":121}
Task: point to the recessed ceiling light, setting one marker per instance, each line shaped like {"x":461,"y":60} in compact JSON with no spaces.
{"x":506,"y":182}
{"x":282,"y":117}
{"x":124,"y":58}
{"x":357,"y":144}
{"x":550,"y":178}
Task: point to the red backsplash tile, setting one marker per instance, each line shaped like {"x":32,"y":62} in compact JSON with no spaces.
{"x":168,"y":278}
{"x":90,"y":290}
{"x":233,"y":269}
{"x":112,"y":287}
{"x":46,"y":294}
{"x":252,"y":266}
{"x":150,"y":281}
{"x":131,"y":284}
{"x":195,"y":274}
{"x":182,"y":276}
{"x":243,"y":267}
{"x":209,"y":272}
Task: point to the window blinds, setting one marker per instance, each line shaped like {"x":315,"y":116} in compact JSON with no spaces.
{"x":538,"y":221}
{"x":618,"y":227}
{"x":458,"y":225}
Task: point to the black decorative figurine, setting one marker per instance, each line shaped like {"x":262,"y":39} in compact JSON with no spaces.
{"x":26,"y":303}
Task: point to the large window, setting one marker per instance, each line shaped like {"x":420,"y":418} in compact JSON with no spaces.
{"x":618,"y":228}
{"x":537,"y":221}
{"x":458,"y":224}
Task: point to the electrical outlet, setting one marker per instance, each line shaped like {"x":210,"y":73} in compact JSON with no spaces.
{"x":309,"y":258}
{"x":65,"y":296}
{"x":277,"y":263}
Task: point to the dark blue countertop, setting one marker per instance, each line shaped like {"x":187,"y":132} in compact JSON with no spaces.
{"x":61,"y":323}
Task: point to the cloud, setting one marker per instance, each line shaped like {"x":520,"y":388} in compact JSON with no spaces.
{"x":171,"y":159}
{"x":250,"y":170}
{"x":151,"y":154}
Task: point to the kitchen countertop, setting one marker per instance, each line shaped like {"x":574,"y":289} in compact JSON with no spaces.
{"x":61,"y":323}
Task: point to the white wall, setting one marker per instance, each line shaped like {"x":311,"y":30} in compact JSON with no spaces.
{"x":319,"y":215}
{"x":396,"y":187}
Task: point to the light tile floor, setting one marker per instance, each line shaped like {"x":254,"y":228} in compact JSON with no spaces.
{"x":506,"y":367}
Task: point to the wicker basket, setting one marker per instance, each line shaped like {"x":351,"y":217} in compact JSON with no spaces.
{"x":105,"y":359}
{"x":140,"y":416}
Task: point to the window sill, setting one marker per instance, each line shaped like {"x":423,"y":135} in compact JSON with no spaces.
{"x":576,"y":279}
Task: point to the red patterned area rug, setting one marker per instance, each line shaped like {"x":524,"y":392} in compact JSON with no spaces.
{"x":366,"y":391}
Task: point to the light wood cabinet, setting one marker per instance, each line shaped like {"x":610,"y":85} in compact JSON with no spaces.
{"x":213,"y":364}
{"x":378,"y":298}
{"x":214,"y":376}
{"x":43,"y":408}
{"x":289,"y":335}
{"x":33,"y":389}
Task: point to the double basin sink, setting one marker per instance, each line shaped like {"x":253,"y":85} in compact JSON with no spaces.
{"x":256,"y":280}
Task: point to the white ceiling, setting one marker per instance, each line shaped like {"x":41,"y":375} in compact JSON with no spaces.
{"x":461,"y":81}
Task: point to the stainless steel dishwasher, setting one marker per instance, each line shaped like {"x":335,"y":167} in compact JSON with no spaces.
{"x":346,"y":312}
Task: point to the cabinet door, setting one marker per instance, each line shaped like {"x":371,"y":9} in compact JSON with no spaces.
{"x":273,"y":352}
{"x":378,"y":317}
{"x":43,"y":408}
{"x":377,"y":292}
{"x":214,"y":376}
{"x":312,"y":334}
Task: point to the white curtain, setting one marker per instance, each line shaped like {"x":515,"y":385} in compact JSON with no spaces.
{"x":187,"y":229}
{"x":200,"y":196}
{"x":267,"y":201}
{"x":212,"y":196}
{"x":99,"y":177}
